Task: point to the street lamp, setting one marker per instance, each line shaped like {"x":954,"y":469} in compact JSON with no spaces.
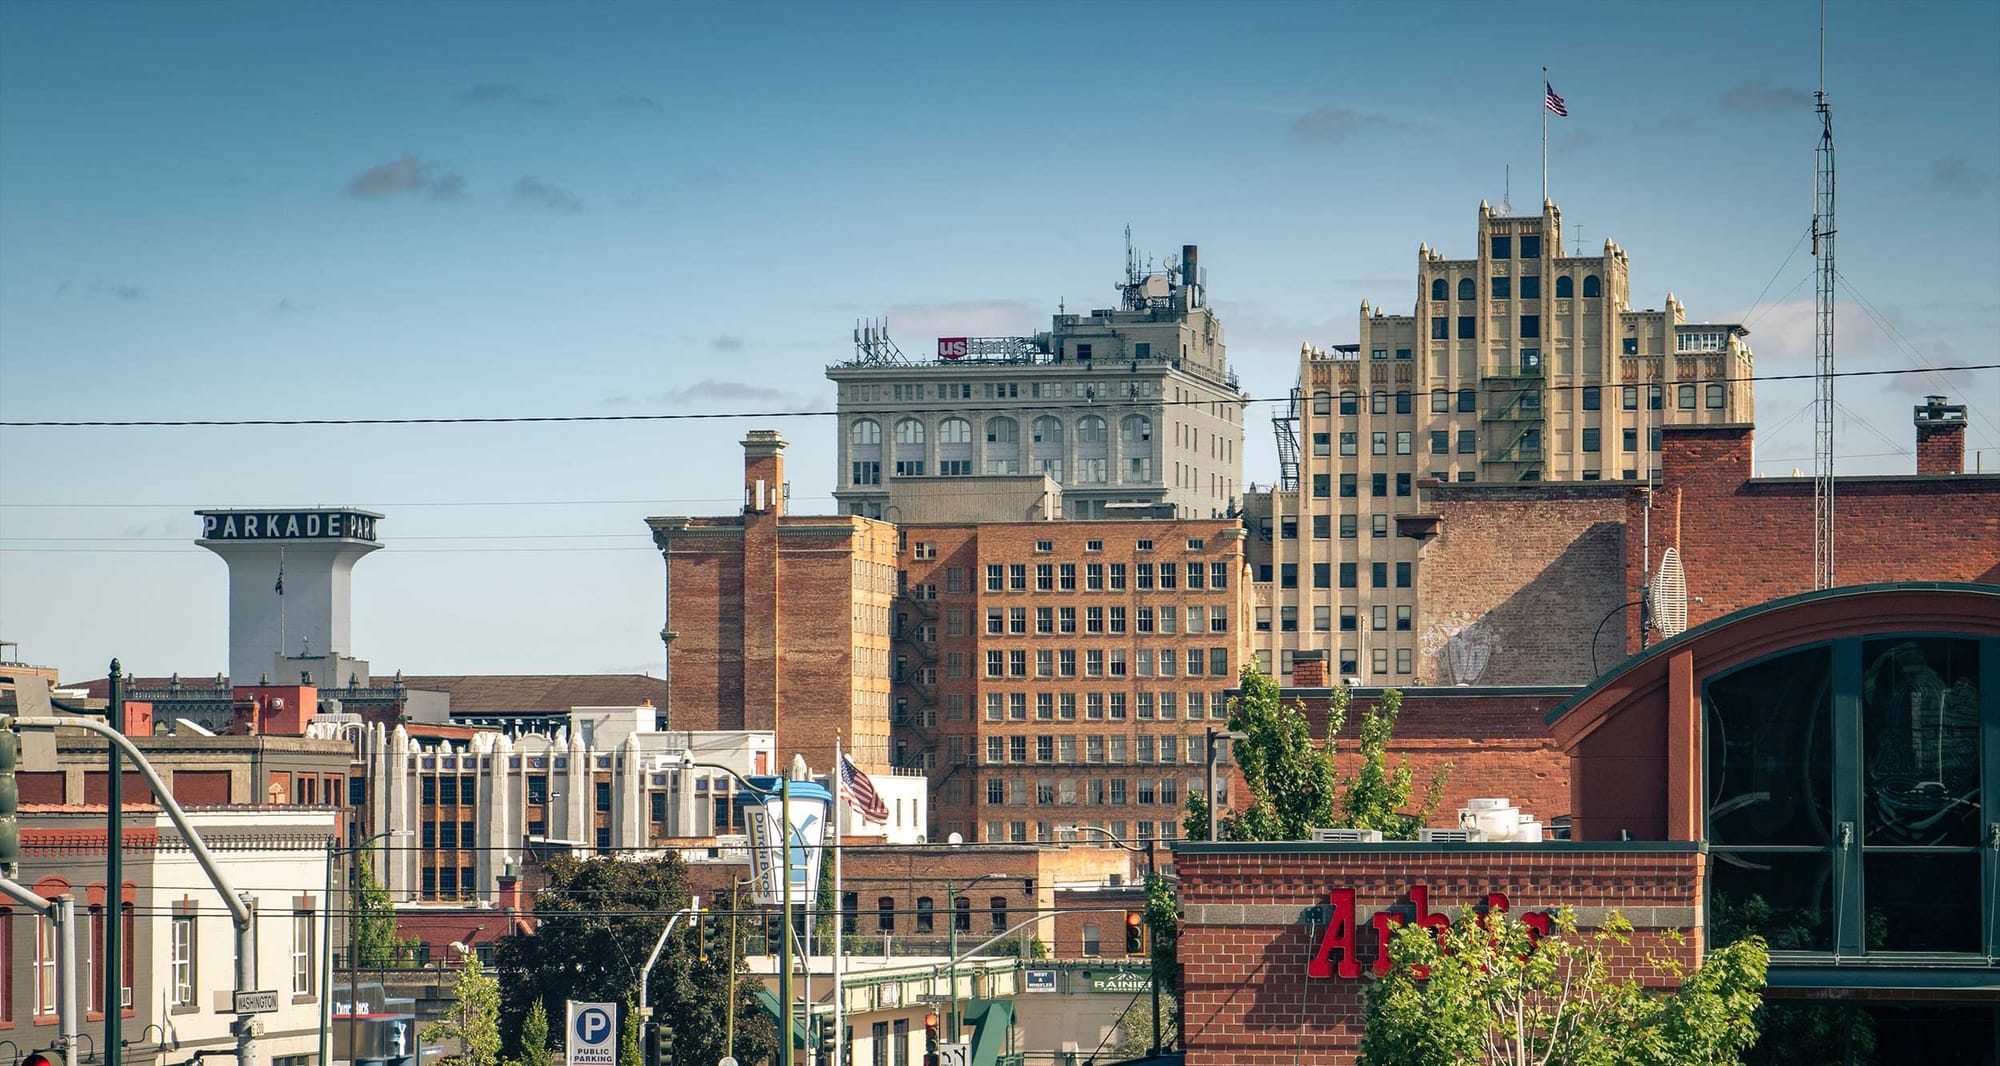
{"x":1214,"y":808}
{"x":353,"y":955}
{"x":953,"y":1026}
{"x":784,"y":794}
{"x":1152,"y":958}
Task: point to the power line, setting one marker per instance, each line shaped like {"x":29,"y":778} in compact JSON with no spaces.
{"x":1110,"y":405}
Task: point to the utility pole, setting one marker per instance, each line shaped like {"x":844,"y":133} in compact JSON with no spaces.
{"x":1824,"y":277}
{"x":114,"y":880}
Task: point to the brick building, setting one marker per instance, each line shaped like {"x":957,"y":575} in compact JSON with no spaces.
{"x":780,"y":622}
{"x":1811,"y":770}
{"x":1063,"y":673}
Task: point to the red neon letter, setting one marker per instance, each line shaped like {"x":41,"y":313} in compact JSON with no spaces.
{"x":1339,"y":934}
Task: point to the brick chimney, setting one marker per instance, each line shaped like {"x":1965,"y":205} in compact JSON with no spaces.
{"x":1940,"y":437}
{"x":764,"y":473}
{"x":1309,"y":669}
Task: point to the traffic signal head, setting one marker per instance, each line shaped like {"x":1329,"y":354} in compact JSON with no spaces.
{"x":661,"y":1051}
{"x":931,"y":1033}
{"x":1135,"y":933}
{"x":10,"y":803}
{"x":37,"y":1058}
{"x":828,"y":1038}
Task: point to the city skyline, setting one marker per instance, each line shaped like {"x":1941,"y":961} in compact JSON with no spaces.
{"x":245,"y":212}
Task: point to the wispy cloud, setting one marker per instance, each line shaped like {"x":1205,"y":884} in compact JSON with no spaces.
{"x":726,"y":343}
{"x":128,"y":292}
{"x":1759,"y":97}
{"x":916,"y":326}
{"x":505,"y":94}
{"x":635,"y":102}
{"x":533,"y":190}
{"x":288,"y":306}
{"x":713,"y":391}
{"x":406,"y":176}
{"x":1327,"y":124}
{"x":1956,"y":175}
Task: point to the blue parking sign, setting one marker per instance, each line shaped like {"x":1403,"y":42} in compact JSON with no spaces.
{"x":592,"y":1036}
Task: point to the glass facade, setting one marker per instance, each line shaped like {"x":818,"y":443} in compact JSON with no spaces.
{"x":1845,"y":807}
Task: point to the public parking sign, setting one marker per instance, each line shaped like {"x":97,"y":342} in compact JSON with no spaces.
{"x":593,"y":1034}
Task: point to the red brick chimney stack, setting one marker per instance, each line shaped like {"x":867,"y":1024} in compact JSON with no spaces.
{"x":1940,"y":437}
{"x":1309,"y":670}
{"x":764,"y":473}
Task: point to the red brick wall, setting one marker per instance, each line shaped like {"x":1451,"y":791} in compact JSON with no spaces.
{"x":1244,"y":947}
{"x":1941,"y":448}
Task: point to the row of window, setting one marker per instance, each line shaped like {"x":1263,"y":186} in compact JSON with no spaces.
{"x":1501,"y":287}
{"x":916,"y":391}
{"x":1350,"y":525}
{"x":43,"y":972}
{"x":1061,"y":577}
{"x":1133,"y":431}
{"x":1108,"y":662}
{"x":450,"y":791}
{"x":1113,"y":749}
{"x":1350,"y":618}
{"x":1349,"y":661}
{"x":1322,"y":575}
{"x":1322,"y":443}
{"x":1149,"y":706}
{"x":1467,"y":400}
{"x":1095,"y":791}
{"x":1468,"y":325}
{"x":1322,"y":485}
{"x":183,"y":958}
{"x":1017,"y":833}
{"x":1212,"y":618}
{"x":1137,"y":469}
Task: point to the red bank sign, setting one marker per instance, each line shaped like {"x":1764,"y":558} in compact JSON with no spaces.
{"x":951,"y":347}
{"x":1338,"y":955}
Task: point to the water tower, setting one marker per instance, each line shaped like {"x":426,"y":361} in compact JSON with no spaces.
{"x":290,"y":579}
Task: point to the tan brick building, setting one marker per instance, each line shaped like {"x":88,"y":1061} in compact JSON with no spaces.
{"x":1063,"y":673}
{"x":1519,"y":364}
{"x":780,"y":622}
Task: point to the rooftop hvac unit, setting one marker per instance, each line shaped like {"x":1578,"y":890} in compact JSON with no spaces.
{"x":1347,"y":836}
{"x":1445,"y":836}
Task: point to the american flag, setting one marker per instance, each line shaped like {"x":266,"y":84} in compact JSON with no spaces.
{"x":1554,"y":102}
{"x":861,"y":792}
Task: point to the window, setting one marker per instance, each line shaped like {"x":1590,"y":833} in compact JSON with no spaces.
{"x":1322,"y":577}
{"x":1378,"y":402}
{"x":1531,"y":287}
{"x":1322,"y":486}
{"x":1467,"y":442}
{"x":1378,"y":617}
{"x":1629,"y":397}
{"x":46,"y":947}
{"x":1591,"y":439}
{"x":1685,"y":396}
{"x":865,"y":432}
{"x":1656,"y":397}
{"x":1347,"y":443}
{"x":1379,"y":484}
{"x":1403,"y":617}
{"x":1379,"y":575}
{"x":1322,"y":443}
{"x":1467,"y":327}
{"x":1403,"y":402}
{"x":1439,"y":291}
{"x":1350,"y":402}
{"x":1531,"y":326}
{"x":1347,"y":580}
{"x":909,"y":431}
{"x":1379,"y":443}
{"x":1402,"y":484}
{"x":1503,"y":247}
{"x":1468,"y":401}
{"x":302,"y":953}
{"x":1322,"y":403}
{"x":1092,"y":941}
{"x":1593,"y":398}
{"x":1348,"y":484}
{"x":1403,"y":442}
{"x":1347,"y":526}
{"x":1322,"y":618}
{"x":180,"y":968}
{"x":868,"y":472}
{"x":1714,"y":396}
{"x":1531,"y":246}
{"x":1403,"y":575}
{"x":1502,"y":287}
{"x":1378,"y":525}
{"x":1440,"y":328}
{"x":1565,"y":288}
{"x":1591,"y":286}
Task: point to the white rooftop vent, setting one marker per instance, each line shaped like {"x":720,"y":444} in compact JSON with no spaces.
{"x":1445,"y":836}
{"x":1347,"y":836}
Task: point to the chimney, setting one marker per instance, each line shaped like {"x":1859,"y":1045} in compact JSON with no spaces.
{"x":1940,"y":437}
{"x":1309,"y":669}
{"x":764,"y":473}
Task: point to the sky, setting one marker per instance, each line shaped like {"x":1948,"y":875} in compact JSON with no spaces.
{"x":370,"y":210}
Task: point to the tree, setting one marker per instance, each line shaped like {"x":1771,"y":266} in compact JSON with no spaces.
{"x":535,"y":1036}
{"x":375,"y":939}
{"x":473,"y":1019}
{"x":596,"y":922}
{"x":1135,"y":1028}
{"x":1484,"y":990}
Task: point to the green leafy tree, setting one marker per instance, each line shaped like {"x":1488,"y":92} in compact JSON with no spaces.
{"x":1135,"y":1028}
{"x":375,"y":939}
{"x":1482,"y":991}
{"x":535,"y":1036}
{"x":473,"y":1020}
{"x":628,"y":1032}
{"x":596,"y":922}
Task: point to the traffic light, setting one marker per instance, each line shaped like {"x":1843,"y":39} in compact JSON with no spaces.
{"x":714,"y":943}
{"x":10,"y":803}
{"x":38,"y":1058}
{"x":828,"y":1039}
{"x":931,"y":1039}
{"x":1135,"y":933}
{"x":660,"y":1051}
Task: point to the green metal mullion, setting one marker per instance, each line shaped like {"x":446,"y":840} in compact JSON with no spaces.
{"x":1850,"y":925}
{"x":1989,"y":778}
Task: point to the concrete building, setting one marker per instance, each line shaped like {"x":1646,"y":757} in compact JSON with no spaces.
{"x":178,"y":941}
{"x":779,"y":623}
{"x":1519,"y":364}
{"x":1132,"y":404}
{"x":1060,"y":673}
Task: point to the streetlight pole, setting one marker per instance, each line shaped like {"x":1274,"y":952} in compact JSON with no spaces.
{"x":1214,"y":808}
{"x":952,"y":1025}
{"x":786,"y":1009}
{"x":1152,"y":873}
{"x":353,"y":944}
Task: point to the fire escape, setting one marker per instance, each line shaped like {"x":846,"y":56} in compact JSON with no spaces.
{"x":1515,"y":419}
{"x":914,"y":719}
{"x":1285,"y":426}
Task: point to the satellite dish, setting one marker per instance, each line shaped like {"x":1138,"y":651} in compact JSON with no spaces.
{"x":1670,"y":595}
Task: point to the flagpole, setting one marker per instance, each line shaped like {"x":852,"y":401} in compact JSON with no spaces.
{"x":839,"y":907}
{"x":1545,"y":135}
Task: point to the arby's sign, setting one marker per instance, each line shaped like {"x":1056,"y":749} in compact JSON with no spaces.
{"x":1339,"y":947}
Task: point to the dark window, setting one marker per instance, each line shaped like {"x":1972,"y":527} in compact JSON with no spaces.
{"x":961,"y":917}
{"x":1347,"y":579}
{"x":603,"y":838}
{"x":1402,"y":575}
{"x":1593,"y":398}
{"x":430,"y":791}
{"x":1503,"y":247}
{"x":1466,"y":330}
{"x":1402,"y":484}
{"x":997,"y":905}
{"x":1591,"y":286}
{"x":1348,"y":402}
{"x":1440,"y":328}
{"x":1348,"y":524}
{"x":1378,"y":575}
{"x":1322,"y":527}
{"x":1531,"y":326}
{"x":604,"y":795}
{"x":1531,"y":287}
{"x":1438,"y":289}
{"x":1440,"y":442}
{"x":357,"y":793}
{"x":1380,"y":486}
{"x":1288,"y":575}
{"x":1468,"y":401}
{"x":1631,"y":346}
{"x":1503,"y":287}
{"x":1347,"y":486}
{"x":1466,"y":289}
{"x":1591,"y":439}
{"x":1628,"y":397}
{"x":1656,"y":396}
{"x":1565,"y":288}
{"x":1630,"y":440}
{"x":1685,"y":394}
{"x":1322,"y":575}
{"x":1405,"y":353}
{"x":1531,"y":246}
{"x":538,"y":788}
{"x":925,"y":917}
{"x":659,"y":806}
{"x":1349,"y":620}
{"x":1321,"y":487}
{"x":1466,"y":445}
{"x":1403,"y":402}
{"x":885,"y":914}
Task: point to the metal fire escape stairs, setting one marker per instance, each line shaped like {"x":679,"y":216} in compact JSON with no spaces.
{"x":1285,"y":426}
{"x":916,"y":700}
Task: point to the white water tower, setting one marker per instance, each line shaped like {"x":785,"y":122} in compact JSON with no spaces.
{"x":305,"y":612}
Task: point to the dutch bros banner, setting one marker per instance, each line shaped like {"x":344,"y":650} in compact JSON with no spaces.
{"x":811,"y":803}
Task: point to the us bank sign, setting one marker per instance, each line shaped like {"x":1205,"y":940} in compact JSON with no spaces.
{"x":287,"y":525}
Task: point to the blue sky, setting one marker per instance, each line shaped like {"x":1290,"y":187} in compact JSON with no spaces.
{"x":364,"y":210}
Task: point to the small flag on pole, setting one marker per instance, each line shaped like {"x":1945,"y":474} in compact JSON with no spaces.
{"x":861,"y":792}
{"x":281,"y":572}
{"x":1553,"y":102}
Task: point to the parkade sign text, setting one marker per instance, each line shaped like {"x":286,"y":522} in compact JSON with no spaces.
{"x":287,"y":525}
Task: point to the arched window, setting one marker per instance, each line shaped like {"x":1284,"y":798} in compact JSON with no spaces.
{"x":1440,"y":401}
{"x":998,"y":905}
{"x":1349,"y":401}
{"x":1136,"y":431}
{"x":1322,"y":403}
{"x":865,"y":431}
{"x":1090,"y":429}
{"x":1591,"y":286}
{"x":1564,"y":286}
{"x":961,"y":918}
{"x":1465,"y":289}
{"x":885,"y":914}
{"x":909,"y":431}
{"x":1004,"y":431}
{"x":1438,"y":290}
{"x":1049,"y":433}
{"x":951,"y":431}
{"x":924,"y":914}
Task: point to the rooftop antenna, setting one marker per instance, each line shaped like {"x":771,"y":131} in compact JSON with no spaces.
{"x":1823,"y":230}
{"x":1132,"y":274}
{"x":1507,"y":193}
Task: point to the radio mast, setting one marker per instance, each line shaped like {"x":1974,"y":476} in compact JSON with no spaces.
{"x":1823,"y":231}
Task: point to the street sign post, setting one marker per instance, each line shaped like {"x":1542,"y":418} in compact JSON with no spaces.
{"x":592,"y":1034}
{"x":256,"y":1002}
